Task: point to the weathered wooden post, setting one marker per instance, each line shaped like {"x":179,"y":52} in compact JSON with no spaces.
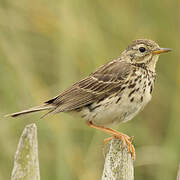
{"x":118,"y":162}
{"x":26,"y":163}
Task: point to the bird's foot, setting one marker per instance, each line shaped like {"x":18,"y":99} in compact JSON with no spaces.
{"x":126,"y":141}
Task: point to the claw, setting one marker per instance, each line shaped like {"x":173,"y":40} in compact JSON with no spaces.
{"x":108,"y":139}
{"x":131,"y":139}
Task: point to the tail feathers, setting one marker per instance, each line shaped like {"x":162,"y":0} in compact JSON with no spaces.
{"x":31,"y":110}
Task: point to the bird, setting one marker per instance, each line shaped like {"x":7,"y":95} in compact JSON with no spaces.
{"x":114,"y":93}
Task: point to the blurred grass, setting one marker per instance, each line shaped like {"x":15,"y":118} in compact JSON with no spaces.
{"x":47,"y":45}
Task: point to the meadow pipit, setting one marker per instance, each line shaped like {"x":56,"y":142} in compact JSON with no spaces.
{"x":114,"y":93}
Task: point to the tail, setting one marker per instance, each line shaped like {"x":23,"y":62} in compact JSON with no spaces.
{"x":31,"y":110}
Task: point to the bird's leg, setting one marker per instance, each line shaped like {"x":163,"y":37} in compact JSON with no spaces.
{"x":126,"y":140}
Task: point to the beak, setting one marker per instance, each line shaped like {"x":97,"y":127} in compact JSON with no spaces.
{"x":161,"y":50}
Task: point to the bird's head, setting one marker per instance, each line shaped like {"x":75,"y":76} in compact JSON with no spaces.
{"x":144,"y":52}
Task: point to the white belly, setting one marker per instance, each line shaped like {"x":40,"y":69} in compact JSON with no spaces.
{"x":109,"y":111}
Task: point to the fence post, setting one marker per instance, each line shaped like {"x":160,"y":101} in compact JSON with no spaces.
{"x":118,"y":162}
{"x":26,"y":163}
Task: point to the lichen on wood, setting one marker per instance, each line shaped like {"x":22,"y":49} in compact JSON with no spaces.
{"x":26,"y":163}
{"x":118,"y":162}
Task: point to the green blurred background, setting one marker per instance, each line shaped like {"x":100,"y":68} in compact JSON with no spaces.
{"x":45,"y":46}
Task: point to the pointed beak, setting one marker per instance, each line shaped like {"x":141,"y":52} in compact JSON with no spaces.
{"x":161,"y":50}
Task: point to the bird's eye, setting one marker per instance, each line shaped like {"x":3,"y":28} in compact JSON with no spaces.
{"x":142,"y":49}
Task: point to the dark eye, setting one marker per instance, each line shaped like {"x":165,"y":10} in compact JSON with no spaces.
{"x":142,"y":49}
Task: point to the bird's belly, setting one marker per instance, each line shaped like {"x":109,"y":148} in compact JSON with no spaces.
{"x":112,"y":111}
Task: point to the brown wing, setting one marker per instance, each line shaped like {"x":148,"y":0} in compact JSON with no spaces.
{"x":98,"y":85}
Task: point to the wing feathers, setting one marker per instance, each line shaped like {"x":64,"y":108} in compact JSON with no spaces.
{"x":106,"y":80}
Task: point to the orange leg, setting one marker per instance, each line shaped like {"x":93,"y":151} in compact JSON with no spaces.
{"x":126,"y":140}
